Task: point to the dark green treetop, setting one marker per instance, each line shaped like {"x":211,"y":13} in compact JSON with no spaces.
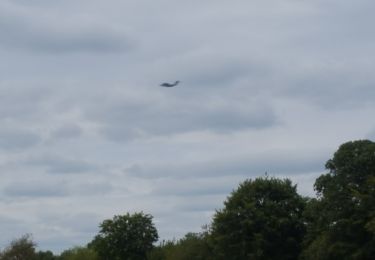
{"x":125,"y":237}
{"x":341,"y":221}
{"x":20,"y":249}
{"x":262,"y":219}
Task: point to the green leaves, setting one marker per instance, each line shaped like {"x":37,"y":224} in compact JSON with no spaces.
{"x":125,"y":237}
{"x":20,"y":249}
{"x":262,"y":219}
{"x":79,"y":253}
{"x":340,"y":222}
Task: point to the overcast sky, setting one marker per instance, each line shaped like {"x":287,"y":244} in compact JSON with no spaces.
{"x":87,"y":132}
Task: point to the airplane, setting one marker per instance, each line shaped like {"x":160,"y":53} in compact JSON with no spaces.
{"x":169,"y":85}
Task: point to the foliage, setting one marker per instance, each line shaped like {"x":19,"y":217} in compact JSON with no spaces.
{"x":20,"y":249}
{"x":194,"y":246}
{"x":262,"y":219}
{"x":341,"y":222}
{"x":45,"y":255}
{"x":125,"y":237}
{"x":79,"y":253}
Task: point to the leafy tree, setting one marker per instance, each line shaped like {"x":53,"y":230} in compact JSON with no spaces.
{"x":262,"y":219}
{"x":20,"y":249}
{"x":45,"y":255}
{"x":125,"y":237}
{"x":79,"y":253}
{"x":194,"y":246}
{"x":341,"y":221}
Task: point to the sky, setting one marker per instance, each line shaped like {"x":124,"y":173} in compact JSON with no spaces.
{"x":87,"y":132}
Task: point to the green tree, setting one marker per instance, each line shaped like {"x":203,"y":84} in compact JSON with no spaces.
{"x":79,"y":253}
{"x":125,"y":237}
{"x":194,"y":246}
{"x":45,"y":255}
{"x":262,"y":219}
{"x":20,"y":249}
{"x":341,"y":221}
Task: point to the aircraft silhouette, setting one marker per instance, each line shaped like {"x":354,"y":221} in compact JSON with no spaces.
{"x":169,"y":85}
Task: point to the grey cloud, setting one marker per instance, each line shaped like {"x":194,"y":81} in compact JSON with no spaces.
{"x":194,"y":191}
{"x":21,"y":102}
{"x":327,"y":61}
{"x":89,"y":188}
{"x":82,"y":222}
{"x":34,"y":2}
{"x":60,"y":41}
{"x":35,"y":189}
{"x":274,"y":164}
{"x":203,"y":204}
{"x":60,"y":165}
{"x":332,"y":27}
{"x":51,"y":189}
{"x":16,"y":139}
{"x":194,"y":187}
{"x":334,"y":88}
{"x":36,"y":30}
{"x":67,"y":132}
{"x":128,"y":119}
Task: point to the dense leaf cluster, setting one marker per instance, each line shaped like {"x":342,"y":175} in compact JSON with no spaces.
{"x":262,"y":219}
{"x":125,"y":237}
{"x":341,"y":221}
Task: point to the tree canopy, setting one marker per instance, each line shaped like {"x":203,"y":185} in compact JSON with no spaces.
{"x":79,"y":253}
{"x":260,"y":220}
{"x":192,"y":246}
{"x":20,"y":249}
{"x":125,"y":237}
{"x":341,"y":221}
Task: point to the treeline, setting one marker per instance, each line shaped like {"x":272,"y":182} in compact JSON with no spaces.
{"x":264,"y":218}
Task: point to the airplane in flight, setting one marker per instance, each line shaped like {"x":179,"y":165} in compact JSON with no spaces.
{"x":169,"y":85}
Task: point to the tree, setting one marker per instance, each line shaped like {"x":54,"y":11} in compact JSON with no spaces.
{"x":45,"y":255}
{"x":125,"y":237}
{"x":194,"y":246}
{"x":341,"y":221}
{"x":20,"y":249}
{"x":262,"y":219}
{"x":79,"y":253}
